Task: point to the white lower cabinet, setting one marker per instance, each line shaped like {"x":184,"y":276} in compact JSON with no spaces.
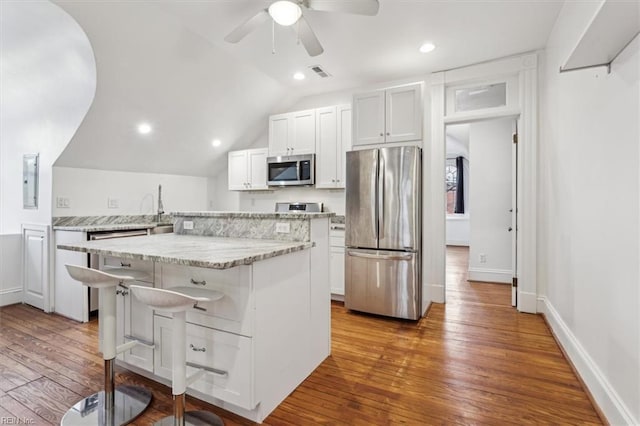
{"x":227,"y":352}
{"x":336,"y":258}
{"x":134,"y":321}
{"x":232,"y":313}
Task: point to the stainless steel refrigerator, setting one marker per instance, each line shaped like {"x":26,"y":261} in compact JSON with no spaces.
{"x":383,"y":259}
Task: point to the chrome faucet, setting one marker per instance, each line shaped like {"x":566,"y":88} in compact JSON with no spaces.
{"x":160,"y":208}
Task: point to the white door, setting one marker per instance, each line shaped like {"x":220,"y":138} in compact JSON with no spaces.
{"x":35,"y":266}
{"x":237,"y":170}
{"x":304,"y":132}
{"x":514,"y":216}
{"x":257,"y":168}
{"x":279,"y":134}
{"x":344,"y":143}
{"x":368,"y":118}
{"x":326,"y":147}
{"x":403,"y":113}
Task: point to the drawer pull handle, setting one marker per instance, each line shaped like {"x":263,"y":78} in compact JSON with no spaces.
{"x":208,"y":369}
{"x":203,"y":282}
{"x":122,"y":292}
{"x":200,"y":308}
{"x":197,"y":349}
{"x":125,"y":265}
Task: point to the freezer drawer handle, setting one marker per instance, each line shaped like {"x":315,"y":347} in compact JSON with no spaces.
{"x":381,"y":257}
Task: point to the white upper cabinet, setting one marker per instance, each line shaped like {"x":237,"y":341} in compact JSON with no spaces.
{"x":391,"y":115}
{"x":292,"y":133}
{"x":368,"y":118}
{"x":248,"y":170}
{"x":333,"y":140}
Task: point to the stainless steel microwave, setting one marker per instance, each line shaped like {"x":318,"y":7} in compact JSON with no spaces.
{"x":290,"y":170}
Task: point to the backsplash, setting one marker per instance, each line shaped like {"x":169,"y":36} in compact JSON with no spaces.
{"x":109,"y":220}
{"x":257,"y":226}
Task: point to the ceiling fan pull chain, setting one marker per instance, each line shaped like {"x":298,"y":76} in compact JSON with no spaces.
{"x":273,"y":37}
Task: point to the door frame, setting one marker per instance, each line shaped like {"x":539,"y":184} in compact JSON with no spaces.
{"x":521,"y":74}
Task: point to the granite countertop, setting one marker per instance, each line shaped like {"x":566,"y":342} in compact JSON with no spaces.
{"x":206,"y":252}
{"x":254,"y":215}
{"x":107,"y":227}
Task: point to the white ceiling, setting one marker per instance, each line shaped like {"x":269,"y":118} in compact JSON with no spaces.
{"x":166,"y":62}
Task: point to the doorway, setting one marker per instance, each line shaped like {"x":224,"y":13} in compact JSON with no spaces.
{"x":481,"y":213}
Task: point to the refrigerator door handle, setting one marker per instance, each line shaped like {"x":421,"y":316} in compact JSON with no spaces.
{"x":374,"y":206}
{"x":403,"y":256}
{"x":381,"y":167}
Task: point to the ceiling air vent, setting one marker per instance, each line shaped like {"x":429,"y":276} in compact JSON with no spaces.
{"x":318,"y":70}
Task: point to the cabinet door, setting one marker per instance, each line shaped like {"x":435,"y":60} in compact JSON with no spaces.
{"x":257,"y":168}
{"x":279,"y":134}
{"x":304,"y":132}
{"x":326,"y":147}
{"x":226,"y":352}
{"x":404,"y":113}
{"x":70,"y":296}
{"x":368,"y":118}
{"x":344,"y":143}
{"x":237,"y":170}
{"x":337,"y":270}
{"x":138,"y":324}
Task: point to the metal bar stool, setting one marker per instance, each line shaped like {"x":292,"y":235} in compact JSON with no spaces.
{"x":177,"y":300}
{"x":111,"y":406}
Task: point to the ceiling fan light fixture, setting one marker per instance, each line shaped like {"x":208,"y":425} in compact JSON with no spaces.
{"x":285,"y":12}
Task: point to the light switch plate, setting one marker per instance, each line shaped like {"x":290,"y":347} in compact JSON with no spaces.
{"x":188,"y":224}
{"x":63,"y":202}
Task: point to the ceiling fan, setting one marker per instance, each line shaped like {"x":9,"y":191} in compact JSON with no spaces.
{"x":289,"y":12}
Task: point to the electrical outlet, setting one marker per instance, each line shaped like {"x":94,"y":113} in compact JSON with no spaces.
{"x":113,"y":203}
{"x":63,"y":202}
{"x":188,"y":224}
{"x":483,"y":258}
{"x":283,"y":228}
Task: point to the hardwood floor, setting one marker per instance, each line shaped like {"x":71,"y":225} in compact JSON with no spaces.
{"x":475,"y":360}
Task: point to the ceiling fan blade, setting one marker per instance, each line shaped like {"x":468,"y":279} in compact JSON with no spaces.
{"x":357,"y":7}
{"x":246,"y":27}
{"x":308,"y":37}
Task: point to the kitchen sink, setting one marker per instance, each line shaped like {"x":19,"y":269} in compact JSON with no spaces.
{"x":161,"y":229}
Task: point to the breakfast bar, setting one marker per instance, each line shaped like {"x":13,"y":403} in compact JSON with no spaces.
{"x":271,"y":328}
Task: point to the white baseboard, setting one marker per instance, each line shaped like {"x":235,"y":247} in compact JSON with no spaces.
{"x":10,"y":296}
{"x":461,"y":243}
{"x":491,"y":275}
{"x":527,"y":302}
{"x":614,"y":409}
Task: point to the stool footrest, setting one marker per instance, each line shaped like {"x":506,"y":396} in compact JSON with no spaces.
{"x":208,"y":369}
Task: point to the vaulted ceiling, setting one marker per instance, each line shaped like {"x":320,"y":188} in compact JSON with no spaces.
{"x":165,"y":63}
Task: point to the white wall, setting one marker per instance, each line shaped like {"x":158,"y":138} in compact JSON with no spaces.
{"x":10,"y":271}
{"x":490,"y":200}
{"x":136,"y":193}
{"x":48,"y":81}
{"x":588,"y":212}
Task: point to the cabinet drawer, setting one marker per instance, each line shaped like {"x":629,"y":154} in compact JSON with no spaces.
{"x":336,"y":237}
{"x":233,"y":313}
{"x":142,"y":270}
{"x":226,"y":352}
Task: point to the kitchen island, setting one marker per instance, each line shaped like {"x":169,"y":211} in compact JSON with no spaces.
{"x":269,"y":331}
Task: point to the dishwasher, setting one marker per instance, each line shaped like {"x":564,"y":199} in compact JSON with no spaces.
{"x":93,"y":260}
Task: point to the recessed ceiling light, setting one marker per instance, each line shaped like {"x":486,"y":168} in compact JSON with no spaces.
{"x":299,"y":76}
{"x":216,"y":142}
{"x":144,"y":128}
{"x":427,"y":47}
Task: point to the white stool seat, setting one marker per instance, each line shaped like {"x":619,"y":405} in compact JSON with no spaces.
{"x":95,"y":278}
{"x":175,"y":299}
